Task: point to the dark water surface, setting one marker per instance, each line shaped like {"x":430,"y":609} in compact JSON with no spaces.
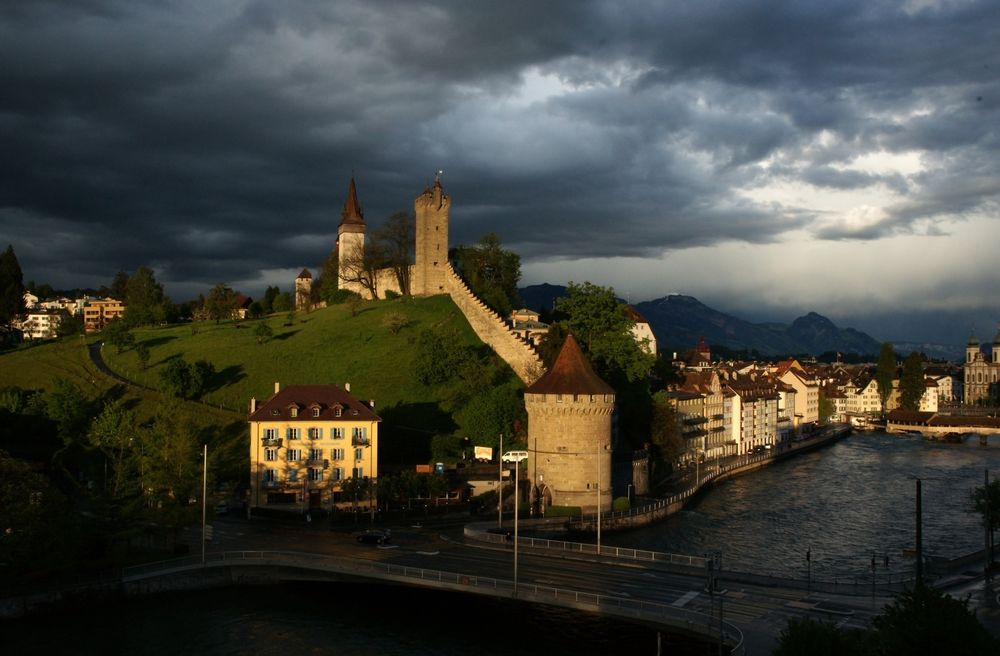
{"x":321,"y":618}
{"x":844,"y":502}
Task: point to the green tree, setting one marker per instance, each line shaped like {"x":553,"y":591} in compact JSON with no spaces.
{"x":267,"y":302}
{"x":911,"y":382}
{"x":809,"y":637}
{"x":11,"y":287}
{"x":256,"y":310}
{"x":171,"y":464}
{"x":72,"y":325}
{"x":220,"y":303}
{"x":144,"y":299}
{"x":885,"y":372}
{"x":493,"y":411}
{"x":142,"y":354}
{"x":114,"y":433}
{"x":69,"y":408}
{"x":202,"y":377}
{"x":175,"y":378}
{"x":282,"y":302}
{"x":355,"y":489}
{"x":119,"y":286}
{"x":31,"y":516}
{"x":985,"y":501}
{"x":826,"y":407}
{"x":491,"y":272}
{"x":925,"y":620}
{"x":604,"y":330}
{"x":263,"y":332}
{"x":665,"y":434}
{"x":395,"y":322}
{"x":117,"y":333}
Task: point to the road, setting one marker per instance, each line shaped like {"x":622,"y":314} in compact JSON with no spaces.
{"x":761,"y":612}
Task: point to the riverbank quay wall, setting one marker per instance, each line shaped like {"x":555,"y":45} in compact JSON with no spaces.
{"x":655,"y":511}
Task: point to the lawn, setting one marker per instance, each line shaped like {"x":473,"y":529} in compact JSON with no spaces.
{"x":324,"y":346}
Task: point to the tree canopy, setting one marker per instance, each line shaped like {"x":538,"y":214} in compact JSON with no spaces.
{"x":885,"y":372}
{"x":911,"y":382}
{"x":11,"y":287}
{"x":491,"y":272}
{"x":602,"y":327}
{"x":145,"y":303}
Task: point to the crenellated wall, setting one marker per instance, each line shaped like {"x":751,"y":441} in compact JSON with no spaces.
{"x":491,"y":328}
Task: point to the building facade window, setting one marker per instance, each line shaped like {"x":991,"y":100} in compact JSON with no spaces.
{"x":315,"y":454}
{"x":358,"y":472}
{"x":293,"y":412}
{"x":270,"y":475}
{"x":359,"y":454}
{"x":293,"y":475}
{"x":337,"y":433}
{"x":293,"y":433}
{"x":315,"y":412}
{"x":337,"y":454}
{"x":337,"y":474}
{"x":270,"y":455}
{"x":315,"y":474}
{"x":293,"y":454}
{"x":315,"y":433}
{"x":270,"y":433}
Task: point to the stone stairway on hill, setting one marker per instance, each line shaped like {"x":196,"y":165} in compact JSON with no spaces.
{"x":492,"y":329}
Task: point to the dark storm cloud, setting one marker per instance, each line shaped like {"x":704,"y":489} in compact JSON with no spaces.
{"x":214,"y":141}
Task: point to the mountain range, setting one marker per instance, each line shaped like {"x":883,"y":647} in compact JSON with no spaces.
{"x":679,"y":321}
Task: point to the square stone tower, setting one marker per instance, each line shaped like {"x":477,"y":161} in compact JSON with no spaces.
{"x":431,"y":211}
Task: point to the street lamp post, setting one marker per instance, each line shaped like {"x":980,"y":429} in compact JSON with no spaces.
{"x":204,"y":491}
{"x":517,"y":495}
{"x":500,"y":488}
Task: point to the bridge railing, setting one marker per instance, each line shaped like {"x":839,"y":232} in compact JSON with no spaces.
{"x":626,"y":553}
{"x":620,"y":606}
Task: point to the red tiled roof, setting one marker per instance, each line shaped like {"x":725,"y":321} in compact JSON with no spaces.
{"x":570,"y":374}
{"x":328,"y":397}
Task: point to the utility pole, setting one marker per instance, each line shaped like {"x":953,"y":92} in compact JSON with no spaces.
{"x":204,"y":491}
{"x":987,"y":522}
{"x":500,"y":489}
{"x":517,"y":495}
{"x":919,"y":545}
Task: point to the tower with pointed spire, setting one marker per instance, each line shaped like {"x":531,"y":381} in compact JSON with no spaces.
{"x":431,"y":249}
{"x":350,"y":234}
{"x":569,"y":433}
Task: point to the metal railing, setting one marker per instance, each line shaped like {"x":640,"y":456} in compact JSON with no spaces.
{"x":668,"y":615}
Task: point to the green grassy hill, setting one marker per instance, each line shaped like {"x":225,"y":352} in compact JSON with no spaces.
{"x":324,"y":346}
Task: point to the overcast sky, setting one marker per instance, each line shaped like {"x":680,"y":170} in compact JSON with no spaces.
{"x":769,"y":158}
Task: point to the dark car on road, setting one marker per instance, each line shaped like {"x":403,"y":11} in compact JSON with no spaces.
{"x":375,"y":537}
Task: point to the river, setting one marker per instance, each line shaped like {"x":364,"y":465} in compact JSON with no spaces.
{"x":843,"y":503}
{"x":324,"y":618}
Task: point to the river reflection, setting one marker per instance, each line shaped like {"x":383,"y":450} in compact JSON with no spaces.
{"x":845,"y":503}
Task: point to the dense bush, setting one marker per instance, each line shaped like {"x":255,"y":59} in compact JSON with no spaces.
{"x":621,"y":504}
{"x":563,"y":511}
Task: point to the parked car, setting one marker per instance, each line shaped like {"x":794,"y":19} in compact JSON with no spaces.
{"x":375,"y":536}
{"x":515,"y":456}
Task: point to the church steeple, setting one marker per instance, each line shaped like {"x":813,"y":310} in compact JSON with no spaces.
{"x":352,"y":214}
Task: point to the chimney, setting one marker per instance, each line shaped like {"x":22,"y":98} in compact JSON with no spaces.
{"x":277,"y":387}
{"x":371,"y":403}
{"x":347,"y":387}
{"x":253,"y":404}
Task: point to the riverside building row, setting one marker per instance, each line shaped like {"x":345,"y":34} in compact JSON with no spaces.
{"x":734,"y":408}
